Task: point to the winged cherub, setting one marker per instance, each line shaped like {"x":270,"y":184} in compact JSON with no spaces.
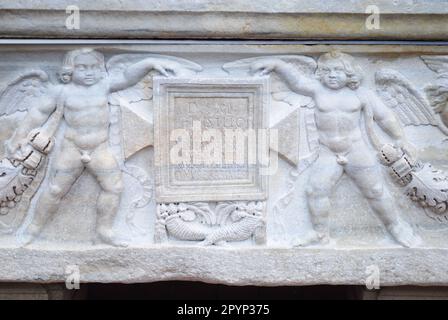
{"x":437,"y":92}
{"x":340,"y":102}
{"x":82,"y":103}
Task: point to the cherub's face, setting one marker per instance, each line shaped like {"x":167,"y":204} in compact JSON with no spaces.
{"x":87,"y":70}
{"x":333,"y":74}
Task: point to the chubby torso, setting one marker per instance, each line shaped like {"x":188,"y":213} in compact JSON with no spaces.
{"x":337,"y":117}
{"x":86,"y":113}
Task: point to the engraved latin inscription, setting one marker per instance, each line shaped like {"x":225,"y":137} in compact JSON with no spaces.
{"x":208,"y":139}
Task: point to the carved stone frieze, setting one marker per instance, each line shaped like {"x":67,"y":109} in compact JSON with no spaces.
{"x":161,"y":150}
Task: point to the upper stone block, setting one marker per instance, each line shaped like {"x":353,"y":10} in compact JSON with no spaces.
{"x":212,"y":19}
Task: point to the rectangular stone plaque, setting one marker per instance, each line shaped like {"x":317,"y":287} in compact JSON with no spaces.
{"x":208,"y":139}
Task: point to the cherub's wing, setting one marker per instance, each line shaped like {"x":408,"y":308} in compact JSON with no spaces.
{"x":143,"y":89}
{"x":402,"y":97}
{"x":437,"y":92}
{"x":17,"y":186}
{"x":438,"y":64}
{"x":23,"y":92}
{"x":286,"y":116}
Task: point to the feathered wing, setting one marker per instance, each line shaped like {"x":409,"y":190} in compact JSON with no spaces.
{"x":438,"y":64}
{"x":423,"y":184}
{"x":20,"y":95}
{"x":437,"y":92}
{"x":17,"y":186}
{"x":289,"y":103}
{"x":23,"y":92}
{"x":405,"y":100}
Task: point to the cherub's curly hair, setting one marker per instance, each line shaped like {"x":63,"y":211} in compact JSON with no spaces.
{"x":351,"y":68}
{"x":65,"y":75}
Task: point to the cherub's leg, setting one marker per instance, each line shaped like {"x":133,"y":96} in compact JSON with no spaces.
{"x":324,"y":175}
{"x":366,"y":173}
{"x":67,"y":168}
{"x":108,"y":174}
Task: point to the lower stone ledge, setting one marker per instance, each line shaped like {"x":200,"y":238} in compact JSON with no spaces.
{"x":30,"y":291}
{"x":241,"y":266}
{"x":403,"y":293}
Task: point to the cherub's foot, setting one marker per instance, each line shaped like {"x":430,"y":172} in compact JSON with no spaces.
{"x":222,"y":243}
{"x":108,"y":237}
{"x":204,"y":243}
{"x":404,"y":234}
{"x":312,"y":237}
{"x":27,"y":237}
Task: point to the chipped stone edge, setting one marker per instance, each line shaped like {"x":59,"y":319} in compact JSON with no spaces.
{"x":233,"y":266}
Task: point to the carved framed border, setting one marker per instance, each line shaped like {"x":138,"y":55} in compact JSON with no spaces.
{"x":254,"y":188}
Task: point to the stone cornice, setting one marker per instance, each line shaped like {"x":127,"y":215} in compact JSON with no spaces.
{"x":208,"y":19}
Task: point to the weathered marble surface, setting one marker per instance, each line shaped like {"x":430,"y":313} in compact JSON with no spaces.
{"x":243,"y":266}
{"x":261,"y":248}
{"x":232,"y":19}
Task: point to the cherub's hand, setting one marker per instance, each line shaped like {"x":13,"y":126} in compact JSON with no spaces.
{"x":166,"y":67}
{"x":40,"y":140}
{"x":265,"y":66}
{"x":13,"y":148}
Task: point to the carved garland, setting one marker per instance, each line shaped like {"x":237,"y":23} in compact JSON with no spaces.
{"x":228,"y":222}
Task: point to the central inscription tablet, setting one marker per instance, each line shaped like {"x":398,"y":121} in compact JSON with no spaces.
{"x":210,"y":139}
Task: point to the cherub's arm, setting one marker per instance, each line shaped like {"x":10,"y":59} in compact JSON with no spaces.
{"x":36,"y":117}
{"x":387,"y":120}
{"x":384,"y":116}
{"x":136,"y":72}
{"x":295,"y":80}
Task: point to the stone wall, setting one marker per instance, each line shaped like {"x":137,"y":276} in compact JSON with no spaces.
{"x":226,"y":160}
